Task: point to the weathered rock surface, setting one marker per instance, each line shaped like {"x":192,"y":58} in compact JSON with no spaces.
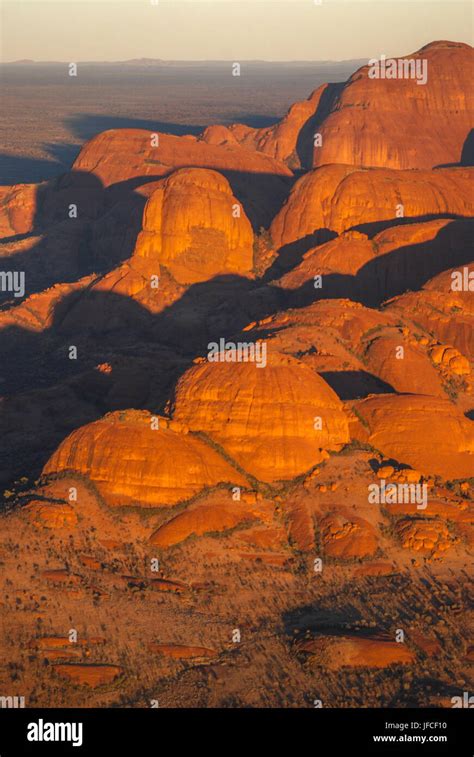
{"x":89,"y":675}
{"x":425,"y":432}
{"x":121,"y":154}
{"x":207,"y":517}
{"x":446,"y":313}
{"x":373,"y":269}
{"x":425,"y":536}
{"x":194,"y":226}
{"x":181,"y":651}
{"x":288,"y":140}
{"x":397,"y":123}
{"x":264,"y":418}
{"x":344,"y":535}
{"x":158,"y":542}
{"x":51,"y":514}
{"x":335,"y":198}
{"x":132,"y":464}
{"x":403,"y":366}
{"x":17,"y":209}
{"x":336,"y":652}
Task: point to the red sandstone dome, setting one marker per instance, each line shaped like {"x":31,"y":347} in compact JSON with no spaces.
{"x":193,"y":225}
{"x":245,"y":559}
{"x":342,"y":197}
{"x":398,"y":123}
{"x":447,"y":314}
{"x":264,"y":418}
{"x":424,"y":432}
{"x":397,"y":258}
{"x":121,"y":154}
{"x":404,"y":367}
{"x":377,"y":122}
{"x":130,"y":462}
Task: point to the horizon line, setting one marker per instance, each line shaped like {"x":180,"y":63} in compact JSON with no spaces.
{"x":26,"y":61}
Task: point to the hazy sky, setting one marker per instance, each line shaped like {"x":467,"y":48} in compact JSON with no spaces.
{"x":75,"y":30}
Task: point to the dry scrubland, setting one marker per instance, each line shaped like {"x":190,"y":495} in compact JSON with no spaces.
{"x":47,"y":117}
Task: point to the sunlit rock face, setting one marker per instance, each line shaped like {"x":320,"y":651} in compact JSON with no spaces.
{"x":398,"y":123}
{"x":376,"y":119}
{"x":194,"y":226}
{"x":130,"y":462}
{"x":264,"y":418}
{"x":424,"y":432}
{"x":336,"y":198}
{"x":120,"y":154}
{"x":236,"y":405}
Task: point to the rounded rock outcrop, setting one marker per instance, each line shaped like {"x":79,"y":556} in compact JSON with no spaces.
{"x":336,"y":198}
{"x":131,"y":463}
{"x":273,"y":421}
{"x":193,"y":225}
{"x":427,"y":433}
{"x":427,"y":127}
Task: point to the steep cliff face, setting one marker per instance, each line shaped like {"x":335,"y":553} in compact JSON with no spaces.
{"x":216,"y":515}
{"x":193,"y":225}
{"x":398,"y":123}
{"x":376,"y":121}
{"x":290,"y":140}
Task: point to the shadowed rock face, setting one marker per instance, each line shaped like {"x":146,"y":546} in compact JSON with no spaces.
{"x":283,"y":140}
{"x":163,"y":481}
{"x":373,"y":269}
{"x":447,"y":314}
{"x":340,"y":197}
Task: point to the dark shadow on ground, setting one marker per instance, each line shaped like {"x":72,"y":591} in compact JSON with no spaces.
{"x":22,"y":169}
{"x":84,"y":126}
{"x":64,"y":248}
{"x":18,"y":169}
